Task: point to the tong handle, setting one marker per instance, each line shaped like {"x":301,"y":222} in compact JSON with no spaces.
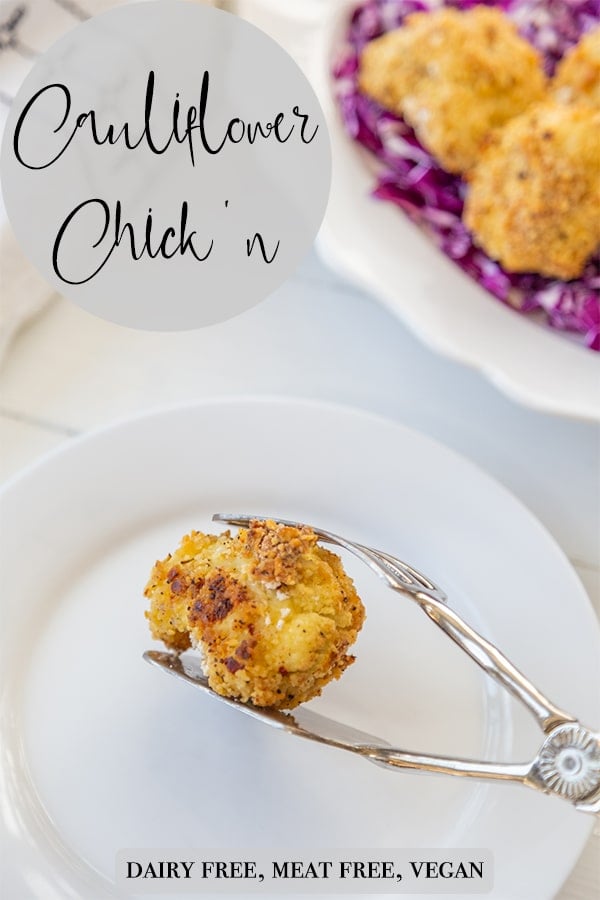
{"x":567,"y":766}
{"x":492,"y":661}
{"x":441,"y":765}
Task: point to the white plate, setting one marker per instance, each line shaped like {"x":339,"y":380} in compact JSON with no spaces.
{"x":375,"y":244}
{"x":102,"y":752}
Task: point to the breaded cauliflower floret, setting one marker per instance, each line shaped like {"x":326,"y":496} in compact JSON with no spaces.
{"x":577,"y":77}
{"x":455,"y":77}
{"x":272,"y":612}
{"x":534,"y":199}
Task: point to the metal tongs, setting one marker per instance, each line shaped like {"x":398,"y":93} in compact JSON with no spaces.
{"x":567,"y":763}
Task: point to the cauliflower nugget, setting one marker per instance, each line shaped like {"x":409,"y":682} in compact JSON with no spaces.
{"x":272,"y":612}
{"x":533,"y":201}
{"x":455,"y":77}
{"x":577,"y":77}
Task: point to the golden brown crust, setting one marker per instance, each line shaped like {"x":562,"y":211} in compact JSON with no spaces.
{"x":277,"y":551}
{"x":577,"y":77}
{"x":533,"y":200}
{"x":273,"y":613}
{"x":455,"y":76}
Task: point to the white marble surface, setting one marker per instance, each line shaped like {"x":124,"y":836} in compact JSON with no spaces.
{"x":68,"y":372}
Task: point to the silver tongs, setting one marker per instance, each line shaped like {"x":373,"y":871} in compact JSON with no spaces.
{"x":567,"y":764}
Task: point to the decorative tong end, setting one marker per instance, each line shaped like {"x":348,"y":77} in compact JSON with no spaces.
{"x":569,"y":762}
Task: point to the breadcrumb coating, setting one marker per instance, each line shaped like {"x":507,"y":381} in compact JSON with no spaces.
{"x":533,"y":201}
{"x":455,"y":77}
{"x":577,"y":77}
{"x":272,"y":612}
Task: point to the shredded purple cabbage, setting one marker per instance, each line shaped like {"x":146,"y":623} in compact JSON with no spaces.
{"x":412,"y":179}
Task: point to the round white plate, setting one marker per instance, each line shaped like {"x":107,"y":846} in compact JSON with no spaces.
{"x":376,"y":245}
{"x":102,"y":752}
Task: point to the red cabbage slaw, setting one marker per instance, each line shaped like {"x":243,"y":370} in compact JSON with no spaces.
{"x":411,"y":178}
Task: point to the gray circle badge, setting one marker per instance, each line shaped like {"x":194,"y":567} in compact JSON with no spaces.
{"x":166,"y":165}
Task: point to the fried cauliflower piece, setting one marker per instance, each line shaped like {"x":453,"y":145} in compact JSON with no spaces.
{"x":577,"y":77}
{"x":455,"y":77}
{"x":533,"y":201}
{"x":272,"y":612}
